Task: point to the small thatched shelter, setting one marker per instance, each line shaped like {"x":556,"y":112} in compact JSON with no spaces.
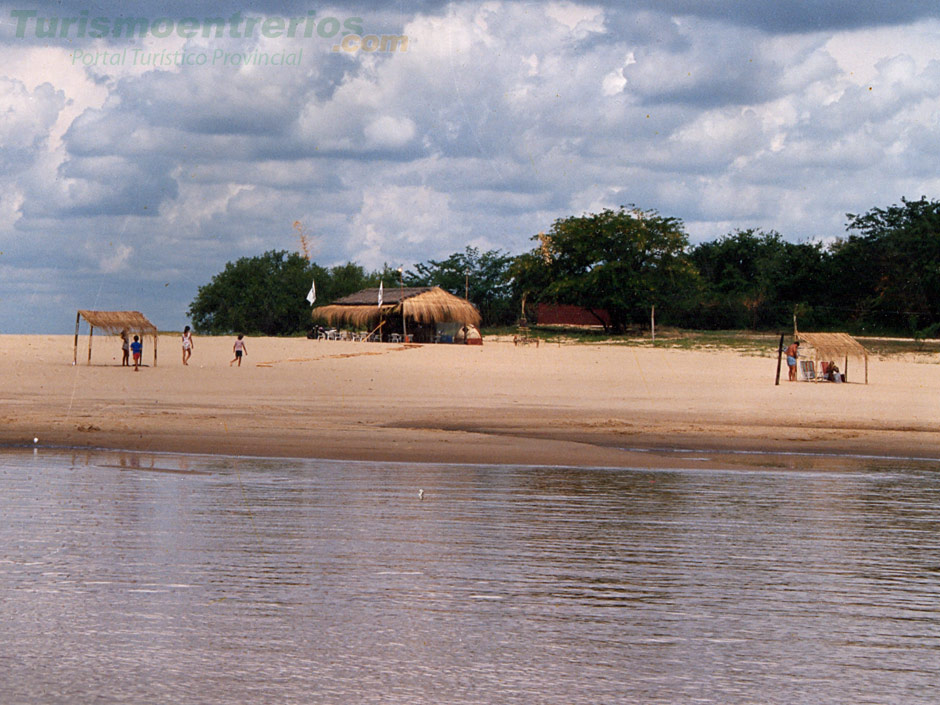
{"x":421,"y":306}
{"x":113,"y":322}
{"x":825,"y":347}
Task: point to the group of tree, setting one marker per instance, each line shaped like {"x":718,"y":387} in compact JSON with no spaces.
{"x":622,"y":262}
{"x":884,"y":276}
{"x":482,"y":277}
{"x":267,"y":294}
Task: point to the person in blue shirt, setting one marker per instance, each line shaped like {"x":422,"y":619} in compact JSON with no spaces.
{"x":136,"y":349}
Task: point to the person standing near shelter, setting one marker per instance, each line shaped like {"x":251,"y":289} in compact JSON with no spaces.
{"x":793,"y":352}
{"x":239,"y":349}
{"x":136,"y":349}
{"x":187,"y":345}
{"x":125,"y":350}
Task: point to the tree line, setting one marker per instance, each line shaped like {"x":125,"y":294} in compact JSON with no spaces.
{"x":883,"y":276}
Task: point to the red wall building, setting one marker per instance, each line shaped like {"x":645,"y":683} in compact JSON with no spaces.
{"x":567,"y":315}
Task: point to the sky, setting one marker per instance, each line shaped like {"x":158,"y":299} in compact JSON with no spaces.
{"x":133,"y":168}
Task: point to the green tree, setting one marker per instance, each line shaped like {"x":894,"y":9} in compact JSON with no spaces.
{"x":481,"y":276}
{"x":267,"y":294}
{"x":344,"y":279}
{"x":622,"y":261}
{"x":889,"y":267}
{"x":754,"y":279}
{"x":264,"y":294}
{"x":531,"y":275}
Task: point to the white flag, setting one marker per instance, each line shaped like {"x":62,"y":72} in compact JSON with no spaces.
{"x":312,"y":294}
{"x":380,"y":294}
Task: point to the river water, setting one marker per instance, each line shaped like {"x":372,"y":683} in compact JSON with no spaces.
{"x":136,"y":578}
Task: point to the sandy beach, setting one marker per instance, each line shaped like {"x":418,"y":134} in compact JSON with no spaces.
{"x":602,"y":405}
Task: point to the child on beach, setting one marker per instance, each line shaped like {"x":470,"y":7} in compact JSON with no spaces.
{"x":187,"y":345}
{"x":239,"y":349}
{"x":136,"y":349}
{"x":125,"y":349}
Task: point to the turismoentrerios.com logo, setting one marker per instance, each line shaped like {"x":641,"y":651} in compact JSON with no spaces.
{"x":348,"y":34}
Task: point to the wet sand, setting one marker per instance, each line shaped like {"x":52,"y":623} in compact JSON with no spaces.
{"x":600,"y":405}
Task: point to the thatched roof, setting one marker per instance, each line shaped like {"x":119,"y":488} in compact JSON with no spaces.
{"x":113,"y":322}
{"x":392,"y":295}
{"x":833,"y":346}
{"x":424,"y":304}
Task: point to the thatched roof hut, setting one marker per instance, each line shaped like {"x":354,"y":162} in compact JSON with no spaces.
{"x":832,"y":347}
{"x":421,"y":304}
{"x":113,"y":323}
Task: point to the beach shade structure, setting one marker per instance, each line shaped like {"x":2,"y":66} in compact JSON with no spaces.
{"x":113,"y":322}
{"x":832,"y":347}
{"x":422,"y":306}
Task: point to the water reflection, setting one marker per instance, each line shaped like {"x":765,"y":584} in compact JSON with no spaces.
{"x":135,"y":577}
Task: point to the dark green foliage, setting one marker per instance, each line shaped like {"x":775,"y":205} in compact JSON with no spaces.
{"x":485,"y":275}
{"x":343,"y":280}
{"x":267,"y":294}
{"x":754,"y":279}
{"x":884,"y":277}
{"x":255,"y":295}
{"x":889,"y":267}
{"x":620,"y":261}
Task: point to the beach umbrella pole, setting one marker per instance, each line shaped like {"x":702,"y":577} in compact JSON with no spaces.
{"x":779,"y":359}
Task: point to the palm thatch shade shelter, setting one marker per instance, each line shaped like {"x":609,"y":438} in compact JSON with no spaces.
{"x":831,"y":347}
{"x":113,"y":322}
{"x":420,"y":304}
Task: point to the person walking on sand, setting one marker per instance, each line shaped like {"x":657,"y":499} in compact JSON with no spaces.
{"x":187,"y":345}
{"x":239,"y":349}
{"x":792,"y":353}
{"x":136,"y":349}
{"x":125,"y":350}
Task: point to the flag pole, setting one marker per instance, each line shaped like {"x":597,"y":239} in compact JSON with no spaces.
{"x":401,"y":288}
{"x":381,"y":315}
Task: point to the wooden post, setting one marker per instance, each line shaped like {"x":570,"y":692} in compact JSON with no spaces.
{"x":78,"y":317}
{"x":401,"y":289}
{"x":91,"y":332}
{"x":779,"y":359}
{"x":653,"y":322}
{"x":845,"y":372}
{"x":866,"y":369}
{"x":155,"y":349}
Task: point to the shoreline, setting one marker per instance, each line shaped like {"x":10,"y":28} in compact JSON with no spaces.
{"x":708,"y":456}
{"x":468,"y":446}
{"x":556,"y":405}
